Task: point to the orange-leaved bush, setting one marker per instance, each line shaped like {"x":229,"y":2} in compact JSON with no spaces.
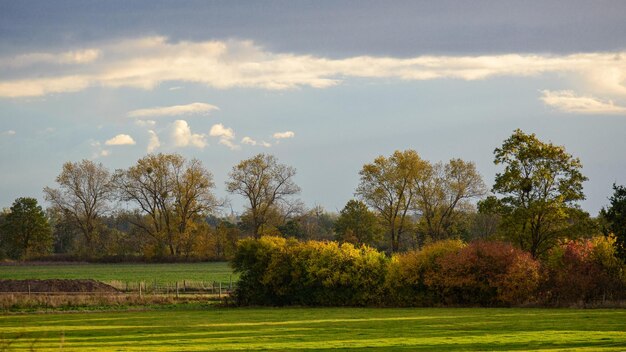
{"x":485,"y":273}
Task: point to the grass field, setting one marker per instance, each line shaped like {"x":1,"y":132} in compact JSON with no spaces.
{"x":214,"y":329}
{"x":162,"y":273}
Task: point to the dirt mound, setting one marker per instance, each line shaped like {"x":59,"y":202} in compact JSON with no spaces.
{"x":55,"y":285}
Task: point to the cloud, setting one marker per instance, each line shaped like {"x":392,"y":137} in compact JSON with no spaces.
{"x":218,"y":130}
{"x":66,"y":58}
{"x":99,"y":152}
{"x":250,"y":141}
{"x":226,"y":135}
{"x":568,"y":101}
{"x":182,"y":136}
{"x":145,"y":123}
{"x":283,"y":135}
{"x":176,"y":110}
{"x":121,"y":139}
{"x":147,"y":62}
{"x":153,"y":142}
{"x":9,"y":133}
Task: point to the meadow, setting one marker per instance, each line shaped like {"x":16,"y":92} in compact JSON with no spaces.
{"x":232,"y":329}
{"x":161,"y":273}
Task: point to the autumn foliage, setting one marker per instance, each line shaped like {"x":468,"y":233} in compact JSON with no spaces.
{"x":278,"y":271}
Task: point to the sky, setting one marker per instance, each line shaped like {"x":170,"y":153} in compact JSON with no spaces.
{"x":325,"y":86}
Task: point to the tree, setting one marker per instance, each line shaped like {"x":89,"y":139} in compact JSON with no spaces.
{"x":357,"y":224}
{"x":171,"y":194}
{"x":387,"y":185}
{"x":615,"y":216}
{"x":265,"y":184}
{"x":25,"y":230}
{"x":85,"y":189}
{"x":441,"y":191}
{"x":540,"y":185}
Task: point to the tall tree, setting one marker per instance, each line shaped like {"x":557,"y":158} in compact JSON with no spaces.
{"x":615,"y":216}
{"x":387,"y":185}
{"x":171,"y":194}
{"x":265,"y":184}
{"x":25,"y":230}
{"x":357,"y":224}
{"x":540,"y":185}
{"x":85,"y":189}
{"x":441,"y":191}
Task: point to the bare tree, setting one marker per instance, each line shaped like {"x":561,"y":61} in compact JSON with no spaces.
{"x":265,"y":183}
{"x":171,"y":194}
{"x":84,"y":194}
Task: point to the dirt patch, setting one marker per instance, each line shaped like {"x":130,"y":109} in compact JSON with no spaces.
{"x":55,"y":285}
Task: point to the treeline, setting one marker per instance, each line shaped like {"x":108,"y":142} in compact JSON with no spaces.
{"x":277,"y":271}
{"x":163,"y":207}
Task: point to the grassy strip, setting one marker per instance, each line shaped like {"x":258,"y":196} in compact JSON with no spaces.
{"x":161,"y":273}
{"x":220,"y":329}
{"x":100,"y":302}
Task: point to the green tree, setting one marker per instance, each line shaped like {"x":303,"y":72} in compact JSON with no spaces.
{"x":540,"y":185}
{"x":388,"y":186}
{"x":25,"y":230}
{"x":357,"y":224}
{"x":266,"y":185}
{"x":615,"y":217}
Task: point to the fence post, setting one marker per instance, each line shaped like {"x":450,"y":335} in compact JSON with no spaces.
{"x":139,"y":289}
{"x":29,"y":289}
{"x":220,"y":294}
{"x":176,"y":289}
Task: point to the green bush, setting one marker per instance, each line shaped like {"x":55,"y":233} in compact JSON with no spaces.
{"x":275,"y":271}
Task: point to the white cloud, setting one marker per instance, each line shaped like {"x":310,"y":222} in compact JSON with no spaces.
{"x":99,"y":152}
{"x":9,"y":133}
{"x":146,"y":62}
{"x":568,"y":101}
{"x":226,"y":135}
{"x":283,"y":135}
{"x":121,"y":139}
{"x":145,"y":123}
{"x":66,"y":58}
{"x":182,"y":136}
{"x":250,"y":141}
{"x":175,"y":88}
{"x":218,"y":130}
{"x":176,"y":110}
{"x":153,"y":143}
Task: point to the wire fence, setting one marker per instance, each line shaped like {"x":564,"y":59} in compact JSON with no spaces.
{"x":154,"y":287}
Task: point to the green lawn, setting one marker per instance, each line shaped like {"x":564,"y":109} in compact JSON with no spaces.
{"x":298,"y":329}
{"x":162,"y":273}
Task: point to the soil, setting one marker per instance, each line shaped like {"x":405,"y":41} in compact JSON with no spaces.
{"x":56,"y":285}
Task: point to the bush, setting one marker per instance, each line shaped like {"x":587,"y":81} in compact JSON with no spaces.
{"x":275,"y":271}
{"x":485,"y":273}
{"x":405,"y":279}
{"x":584,"y":271}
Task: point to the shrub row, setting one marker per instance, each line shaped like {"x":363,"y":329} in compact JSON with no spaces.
{"x":278,"y":271}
